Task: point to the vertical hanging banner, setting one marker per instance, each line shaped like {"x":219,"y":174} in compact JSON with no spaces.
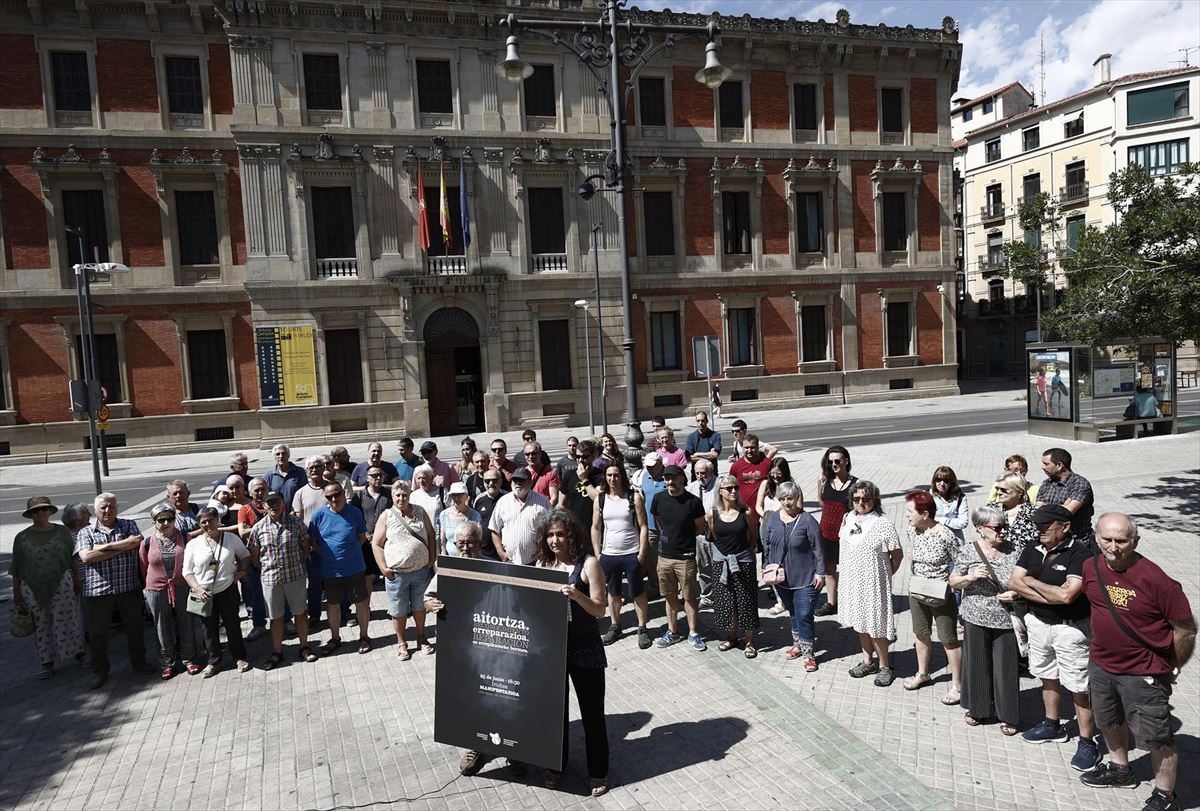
{"x":501,"y":676}
{"x":287,"y":366}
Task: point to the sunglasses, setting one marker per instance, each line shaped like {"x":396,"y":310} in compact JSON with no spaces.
{"x":862,"y":499}
{"x":334,"y":496}
{"x":374,"y":475}
{"x":491,"y":481}
{"x":1003,"y":490}
{"x":729,"y":489}
{"x":533,"y":455}
{"x":499,"y":450}
{"x":165,"y":519}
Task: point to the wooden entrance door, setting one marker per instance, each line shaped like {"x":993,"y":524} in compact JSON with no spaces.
{"x":447,"y":333}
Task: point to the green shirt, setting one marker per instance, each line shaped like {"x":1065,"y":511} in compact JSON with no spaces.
{"x":40,"y":558}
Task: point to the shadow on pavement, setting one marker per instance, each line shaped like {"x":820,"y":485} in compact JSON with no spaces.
{"x":1180,"y":493}
{"x":666,"y":749}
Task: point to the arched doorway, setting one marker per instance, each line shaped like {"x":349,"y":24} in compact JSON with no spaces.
{"x":453,"y":372}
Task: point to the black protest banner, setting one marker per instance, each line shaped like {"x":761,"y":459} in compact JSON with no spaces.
{"x":502,"y":660}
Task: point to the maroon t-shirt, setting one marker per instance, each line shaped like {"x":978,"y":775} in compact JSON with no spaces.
{"x":750,"y":476}
{"x":1145,"y":598}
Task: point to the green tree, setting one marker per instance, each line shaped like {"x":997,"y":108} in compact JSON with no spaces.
{"x":1136,"y":278}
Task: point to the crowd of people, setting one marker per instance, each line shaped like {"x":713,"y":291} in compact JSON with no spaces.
{"x":1021,"y":580}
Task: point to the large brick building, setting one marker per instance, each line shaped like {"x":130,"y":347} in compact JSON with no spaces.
{"x":257,"y":167}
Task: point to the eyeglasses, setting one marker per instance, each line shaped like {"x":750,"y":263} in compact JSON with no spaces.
{"x":862,"y":499}
{"x":1003,"y":490}
{"x":334,"y":496}
{"x":531,"y":455}
{"x":164,"y":519}
{"x":374,"y":475}
{"x":730,"y":489}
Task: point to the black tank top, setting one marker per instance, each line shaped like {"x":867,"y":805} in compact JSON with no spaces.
{"x":732,"y":537}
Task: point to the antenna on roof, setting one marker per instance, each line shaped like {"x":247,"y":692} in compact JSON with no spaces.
{"x":1186,"y":61}
{"x":1042,"y":83}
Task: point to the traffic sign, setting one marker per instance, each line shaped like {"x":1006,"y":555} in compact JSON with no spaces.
{"x":102,"y":414}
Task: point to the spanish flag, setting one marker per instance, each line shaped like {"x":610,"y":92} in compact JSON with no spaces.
{"x":447,"y":241}
{"x":422,"y":212}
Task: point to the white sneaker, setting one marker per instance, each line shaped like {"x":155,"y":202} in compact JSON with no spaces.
{"x":777,"y":610}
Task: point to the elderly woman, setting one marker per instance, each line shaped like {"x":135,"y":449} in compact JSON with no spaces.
{"x":1012,"y":496}
{"x":426,"y":495}
{"x":161,"y":555}
{"x":932,"y":549}
{"x":792,"y":539}
{"x":456,"y":513}
{"x":404,"y":547}
{"x":46,"y":582}
{"x":735,"y":579}
{"x":870,"y":553}
{"x":992,"y":683}
{"x":953,"y":512}
{"x":213,"y":562}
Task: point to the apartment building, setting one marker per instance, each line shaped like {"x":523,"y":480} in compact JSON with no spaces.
{"x":261,"y":170}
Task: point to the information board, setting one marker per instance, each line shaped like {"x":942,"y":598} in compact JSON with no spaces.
{"x":287,"y":366}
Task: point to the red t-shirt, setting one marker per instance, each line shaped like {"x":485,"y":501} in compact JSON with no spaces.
{"x":750,"y":476}
{"x":543,"y":481}
{"x":1145,"y":598}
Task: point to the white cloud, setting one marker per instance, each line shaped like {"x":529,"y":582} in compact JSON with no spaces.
{"x":1140,"y":36}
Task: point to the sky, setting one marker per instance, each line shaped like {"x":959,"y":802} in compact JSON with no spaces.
{"x":1002,"y":40}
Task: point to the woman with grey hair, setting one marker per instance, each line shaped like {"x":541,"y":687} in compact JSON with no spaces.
{"x":161,"y":555}
{"x":735,"y":575}
{"x":76,"y":516}
{"x":792,"y":539}
{"x":870,"y":553}
{"x":427,"y":495}
{"x":990,"y":668}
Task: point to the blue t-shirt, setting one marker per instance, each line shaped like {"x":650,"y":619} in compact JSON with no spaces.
{"x":651,"y":488}
{"x":359,"y":476}
{"x":337,"y":533}
{"x":404,"y":470}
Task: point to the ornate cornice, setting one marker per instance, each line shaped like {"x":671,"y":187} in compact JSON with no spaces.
{"x":841,"y":27}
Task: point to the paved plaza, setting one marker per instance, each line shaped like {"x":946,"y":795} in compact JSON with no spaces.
{"x":687,"y":729}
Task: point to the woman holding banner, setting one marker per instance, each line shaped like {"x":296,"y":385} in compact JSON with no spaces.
{"x":562,"y":544}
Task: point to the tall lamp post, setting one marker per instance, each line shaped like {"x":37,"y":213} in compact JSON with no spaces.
{"x":599,"y":48}
{"x":582,"y":304}
{"x":600,"y":327}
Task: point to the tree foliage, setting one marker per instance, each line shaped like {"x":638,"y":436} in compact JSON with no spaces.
{"x":1139,"y":277}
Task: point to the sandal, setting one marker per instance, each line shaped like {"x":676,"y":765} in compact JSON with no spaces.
{"x":425,"y":646}
{"x":751,"y":652}
{"x":792,"y":653}
{"x":1009,"y":730}
{"x":728,"y":644}
{"x":272,"y":660}
{"x":599,"y":786}
{"x":404,"y":653}
{"x":552,"y":779}
{"x":917,"y":682}
{"x":306,"y":653}
{"x":952,"y":697}
{"x":364,"y":645}
{"x":330,"y":646}
{"x":46,"y":672}
{"x":243,"y":666}
{"x":971,"y":722}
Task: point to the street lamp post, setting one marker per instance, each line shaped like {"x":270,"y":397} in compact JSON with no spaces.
{"x":597,"y":45}
{"x":587,"y":350}
{"x":600,"y":327}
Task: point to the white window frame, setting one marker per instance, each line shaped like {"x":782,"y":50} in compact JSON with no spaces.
{"x":729,"y":134}
{"x":544,"y":123}
{"x":45,"y":45}
{"x":200,"y":52}
{"x":666,"y":132}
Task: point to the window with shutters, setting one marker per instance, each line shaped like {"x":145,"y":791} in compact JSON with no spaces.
{"x":804,"y":106}
{"x":435,"y":93}
{"x":1073,"y":126}
{"x":991,"y":150}
{"x":108,"y":364}
{"x":343,"y":366}
{"x":433,"y":215}
{"x":554,"y":343}
{"x":735,"y":215}
{"x":658,"y":212}
{"x":814,"y":333}
{"x":72,"y":87}
{"x":196,"y":216}
{"x":208,"y":364}
{"x":731,"y":110}
{"x":743,"y":337}
{"x":899,"y":328}
{"x":83,"y":210}
{"x":895,"y":221}
{"x":185,"y":91}
{"x":664,"y":341}
{"x":652,"y":101}
{"x":540,"y":96}
{"x":322,"y":82}
{"x":547,"y":229}
{"x":1031,"y":138}
{"x":333,"y":222}
{"x":1074,"y":228}
{"x":810,"y":219}
{"x":1163,"y":158}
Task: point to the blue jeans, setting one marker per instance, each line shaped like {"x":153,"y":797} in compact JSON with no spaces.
{"x":314,"y":586}
{"x":800,"y":604}
{"x":252,"y":596}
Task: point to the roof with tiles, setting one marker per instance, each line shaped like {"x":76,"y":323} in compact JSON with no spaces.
{"x":991,"y":94}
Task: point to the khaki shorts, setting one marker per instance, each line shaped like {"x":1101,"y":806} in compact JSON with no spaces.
{"x":944,"y":618}
{"x":678,"y":576}
{"x":1058,"y":652}
{"x":292,"y":595}
{"x":1143,"y":702}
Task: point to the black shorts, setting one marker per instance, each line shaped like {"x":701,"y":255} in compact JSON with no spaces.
{"x":618,"y":568}
{"x":354,"y":585}
{"x":832,"y":551}
{"x":1142,"y":702}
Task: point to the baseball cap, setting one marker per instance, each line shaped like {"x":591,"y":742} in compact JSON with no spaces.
{"x":458,"y":488}
{"x":274,"y":495}
{"x":651,"y":459}
{"x":428,"y":445}
{"x":522,"y":473}
{"x":673,"y":470}
{"x":1049,"y":513}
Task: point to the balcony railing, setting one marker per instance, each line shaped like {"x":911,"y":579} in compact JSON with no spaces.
{"x":993,"y":306}
{"x":991,"y":263}
{"x":343,"y":268}
{"x":549,"y":262}
{"x":446,"y":265}
{"x":992,"y":211}
{"x":1073,"y":193}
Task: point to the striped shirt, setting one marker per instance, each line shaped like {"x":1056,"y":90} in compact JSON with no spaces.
{"x":117,"y":574}
{"x":278,"y":545}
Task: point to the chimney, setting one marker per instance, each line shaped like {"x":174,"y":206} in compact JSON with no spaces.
{"x":1101,"y":69}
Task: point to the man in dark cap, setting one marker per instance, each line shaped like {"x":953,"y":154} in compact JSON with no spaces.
{"x":1050,"y":576}
{"x":444,"y":473}
{"x":679,"y":516}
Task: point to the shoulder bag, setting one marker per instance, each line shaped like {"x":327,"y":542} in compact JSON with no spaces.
{"x":928,"y":591}
{"x":773,"y":574}
{"x":22,"y":622}
{"x":1164,"y":653}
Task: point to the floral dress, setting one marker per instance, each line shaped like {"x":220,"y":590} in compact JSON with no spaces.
{"x":865,"y":574}
{"x":1020,"y":531}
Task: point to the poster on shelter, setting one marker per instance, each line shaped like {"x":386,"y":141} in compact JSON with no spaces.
{"x":502,"y":660}
{"x":1050,"y":385}
{"x":287,"y":366}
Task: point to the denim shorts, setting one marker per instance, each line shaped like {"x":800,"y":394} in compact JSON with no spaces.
{"x":406,"y":592}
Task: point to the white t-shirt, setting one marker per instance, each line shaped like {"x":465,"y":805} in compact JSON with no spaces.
{"x":307,"y":501}
{"x":516,"y":521}
{"x":198,"y":557}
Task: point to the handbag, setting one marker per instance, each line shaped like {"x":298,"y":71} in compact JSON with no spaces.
{"x":201,"y":608}
{"x":402,"y":552}
{"x":22,"y":622}
{"x":928,"y":591}
{"x":773,"y":575}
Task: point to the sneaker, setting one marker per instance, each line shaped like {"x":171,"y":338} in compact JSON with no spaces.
{"x":668,"y":639}
{"x":885,"y":677}
{"x":1087,"y":755}
{"x":611,"y":635}
{"x":826,"y":610}
{"x":705,"y":603}
{"x":1161,"y":801}
{"x":1046,"y":732}
{"x":697,"y":642}
{"x":352,"y":622}
{"x":255,"y":633}
{"x":863,"y":669}
{"x":777,"y":610}
{"x":644,"y":640}
{"x":472,"y":762}
{"x":1105,"y":775}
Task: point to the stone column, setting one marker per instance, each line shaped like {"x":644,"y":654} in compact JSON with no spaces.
{"x":381,"y":112}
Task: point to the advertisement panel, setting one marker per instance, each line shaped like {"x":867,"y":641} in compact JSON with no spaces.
{"x":1050,"y":385}
{"x":287,"y":366}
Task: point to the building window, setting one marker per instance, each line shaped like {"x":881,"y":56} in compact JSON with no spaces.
{"x":1031,"y":187}
{"x":814,"y":333}
{"x":322,"y":82}
{"x":435,"y":93}
{"x":540,"y":98}
{"x":196,"y":216}
{"x":1074,"y":227}
{"x":554,"y":339}
{"x":108,"y":364}
{"x":968,"y":113}
{"x":658,"y":219}
{"x":664,"y":341}
{"x":996,"y":291}
{"x":72,"y":89}
{"x":652,"y":101}
{"x":735,"y":212}
{"x":185,"y":92}
{"x":1157,"y":104}
{"x":208,"y":364}
{"x":84,"y":210}
{"x":811,"y":221}
{"x":995,"y":201}
{"x":995,"y":250}
{"x":333,"y":222}
{"x":899,"y":329}
{"x":895,"y":221}
{"x":343,"y":366}
{"x":804,"y":106}
{"x":891,"y":110}
{"x":433,"y":216}
{"x":1162,"y":158}
{"x":1076,"y":187}
{"x":989,"y":106}
{"x":743,"y":340}
{"x":547,"y":232}
{"x":730,"y":109}
{"x":1031,"y":138}
{"x":1033,"y":238}
{"x":991,"y":150}
{"x":1073,"y":126}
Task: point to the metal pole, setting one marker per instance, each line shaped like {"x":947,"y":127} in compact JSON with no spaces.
{"x":86,"y":374}
{"x":587,"y":350}
{"x":91,"y":340}
{"x":600,"y":327}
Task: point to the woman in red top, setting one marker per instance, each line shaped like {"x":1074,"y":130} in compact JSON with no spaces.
{"x":833,"y":491}
{"x":167,"y":593}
